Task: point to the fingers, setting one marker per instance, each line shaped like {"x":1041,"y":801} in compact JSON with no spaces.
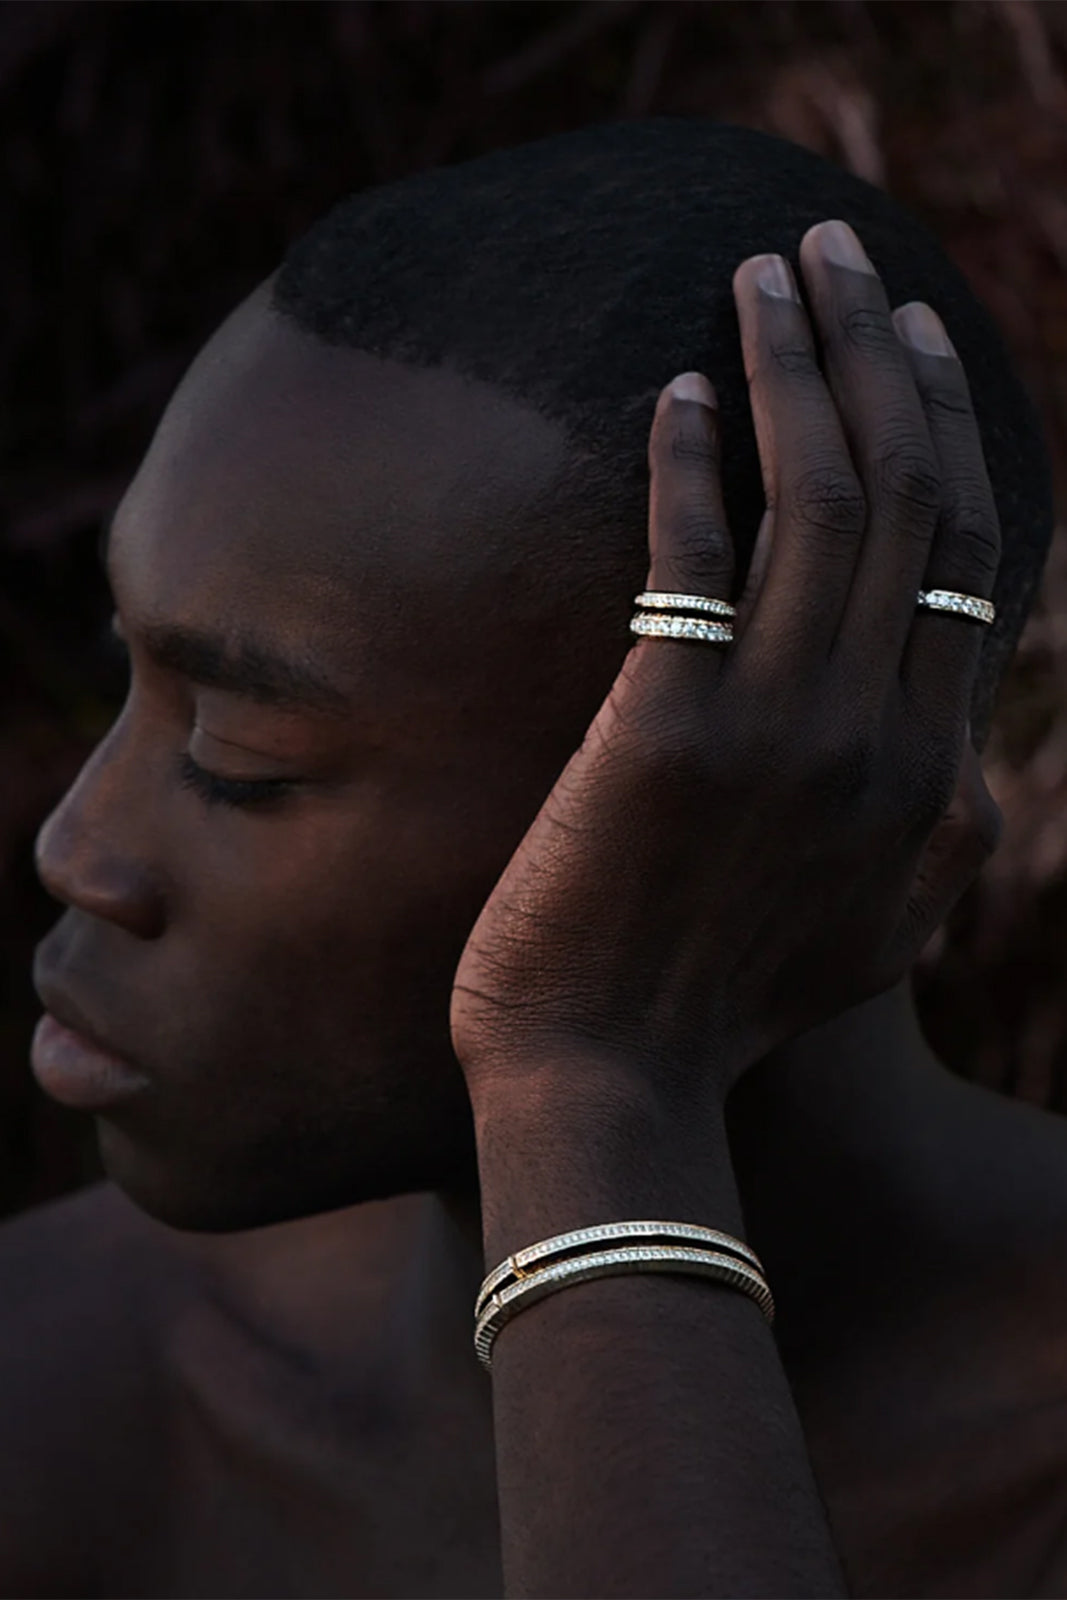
{"x":885,"y":423}
{"x":816,"y":513}
{"x":941,"y":656}
{"x":955,"y":853}
{"x":875,"y":483}
{"x":874,"y":479}
{"x":690,"y":548}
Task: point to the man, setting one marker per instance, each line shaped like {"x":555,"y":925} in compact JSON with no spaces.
{"x":375,"y":574}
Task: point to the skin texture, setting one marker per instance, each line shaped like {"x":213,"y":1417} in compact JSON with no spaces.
{"x":726,"y":860}
{"x":297,"y":1410}
{"x":282,"y":974}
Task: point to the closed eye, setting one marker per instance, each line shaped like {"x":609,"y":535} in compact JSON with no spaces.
{"x":240,"y":792}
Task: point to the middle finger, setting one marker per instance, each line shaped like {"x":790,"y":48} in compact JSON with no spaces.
{"x":885,"y":423}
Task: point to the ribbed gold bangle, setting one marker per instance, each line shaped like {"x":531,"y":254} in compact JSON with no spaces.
{"x":516,"y":1266}
{"x":506,"y":1303}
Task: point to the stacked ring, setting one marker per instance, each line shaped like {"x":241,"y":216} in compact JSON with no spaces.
{"x":661,"y":615}
{"x":654,"y":600}
{"x":658,"y":617}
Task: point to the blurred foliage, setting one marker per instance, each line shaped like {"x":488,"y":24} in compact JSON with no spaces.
{"x":157,"y":158}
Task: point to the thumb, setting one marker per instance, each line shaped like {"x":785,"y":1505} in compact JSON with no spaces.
{"x":955,"y":853}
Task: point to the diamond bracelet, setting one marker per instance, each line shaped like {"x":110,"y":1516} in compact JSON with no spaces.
{"x":517,"y":1266}
{"x":501,"y":1306}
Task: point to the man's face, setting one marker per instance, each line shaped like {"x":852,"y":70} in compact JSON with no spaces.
{"x":331,"y":586}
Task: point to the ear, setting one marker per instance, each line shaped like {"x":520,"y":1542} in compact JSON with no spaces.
{"x":955,"y":853}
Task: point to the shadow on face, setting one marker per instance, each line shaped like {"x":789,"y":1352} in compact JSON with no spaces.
{"x":352,"y":685}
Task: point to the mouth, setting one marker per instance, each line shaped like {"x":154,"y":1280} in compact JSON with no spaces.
{"x":75,"y":1066}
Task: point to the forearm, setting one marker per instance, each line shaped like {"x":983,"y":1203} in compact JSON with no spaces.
{"x":647,"y":1442}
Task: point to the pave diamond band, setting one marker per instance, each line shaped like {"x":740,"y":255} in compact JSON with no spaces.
{"x":656,"y":625}
{"x":517,"y":1266}
{"x":655,"y":600}
{"x":500,"y":1307}
{"x":635,"y":1246}
{"x":662,"y":615}
{"x":964,"y":605}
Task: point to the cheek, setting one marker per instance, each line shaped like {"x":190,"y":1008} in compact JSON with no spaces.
{"x":333,"y":901}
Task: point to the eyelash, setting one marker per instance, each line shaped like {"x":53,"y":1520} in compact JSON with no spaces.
{"x":212,"y":789}
{"x":238,"y":792}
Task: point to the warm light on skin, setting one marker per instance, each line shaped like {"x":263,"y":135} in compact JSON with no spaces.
{"x":282,"y":961}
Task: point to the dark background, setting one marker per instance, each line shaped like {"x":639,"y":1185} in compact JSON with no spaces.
{"x":156,"y":158}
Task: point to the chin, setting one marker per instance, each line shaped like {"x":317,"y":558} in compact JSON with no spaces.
{"x":230,"y":1191}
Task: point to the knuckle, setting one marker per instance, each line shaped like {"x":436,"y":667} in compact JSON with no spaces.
{"x":789,"y":359}
{"x":908,"y":476}
{"x":690,"y":448}
{"x":948,"y":402}
{"x":868,"y":330}
{"x":697,"y":534}
{"x":975,"y":529}
{"x":827,"y":499}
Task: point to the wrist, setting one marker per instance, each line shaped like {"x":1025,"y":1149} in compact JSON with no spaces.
{"x":572,"y":1144}
{"x":665,"y":1067}
{"x":592,"y":1082}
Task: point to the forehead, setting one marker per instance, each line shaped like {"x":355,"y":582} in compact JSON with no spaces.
{"x":310,"y":489}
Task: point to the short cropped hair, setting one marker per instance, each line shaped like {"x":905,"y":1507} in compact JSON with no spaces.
{"x":580,"y":272}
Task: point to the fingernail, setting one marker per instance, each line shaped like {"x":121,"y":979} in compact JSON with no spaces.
{"x":775,"y":277}
{"x":923,"y":329}
{"x":837,"y":242}
{"x":694,"y":386}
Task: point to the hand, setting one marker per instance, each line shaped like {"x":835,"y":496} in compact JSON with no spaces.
{"x":753,"y":837}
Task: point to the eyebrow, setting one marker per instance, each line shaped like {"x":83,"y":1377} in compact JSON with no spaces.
{"x":246,"y":667}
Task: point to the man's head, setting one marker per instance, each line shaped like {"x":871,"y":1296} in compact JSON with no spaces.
{"x":380,"y":558}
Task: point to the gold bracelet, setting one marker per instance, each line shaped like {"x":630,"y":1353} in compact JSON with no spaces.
{"x":561,"y":1244}
{"x":506,"y":1303}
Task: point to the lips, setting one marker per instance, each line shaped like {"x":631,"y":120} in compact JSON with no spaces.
{"x":74,"y":1064}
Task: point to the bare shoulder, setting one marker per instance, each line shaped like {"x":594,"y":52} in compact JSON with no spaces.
{"x":83,"y":1284}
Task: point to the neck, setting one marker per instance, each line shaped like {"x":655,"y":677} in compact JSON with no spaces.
{"x":861,"y":1164}
{"x":842,"y":1142}
{"x":849,"y":1086}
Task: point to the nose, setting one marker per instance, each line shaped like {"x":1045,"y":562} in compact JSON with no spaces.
{"x":90,"y":853}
